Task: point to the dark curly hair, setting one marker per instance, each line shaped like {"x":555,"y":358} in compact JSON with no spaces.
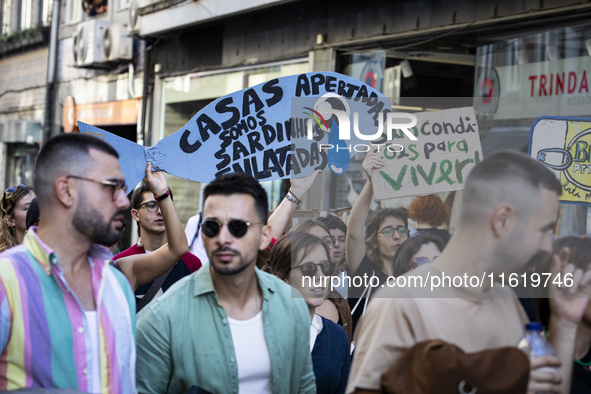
{"x":371,"y":232}
{"x":428,"y":209}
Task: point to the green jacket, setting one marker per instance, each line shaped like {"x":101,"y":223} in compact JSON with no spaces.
{"x":184,"y":339}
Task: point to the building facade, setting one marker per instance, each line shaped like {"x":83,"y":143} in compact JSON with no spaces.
{"x":185,"y":54}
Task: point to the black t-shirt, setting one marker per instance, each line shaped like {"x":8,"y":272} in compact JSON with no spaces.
{"x":581,"y":383}
{"x":362,"y":277}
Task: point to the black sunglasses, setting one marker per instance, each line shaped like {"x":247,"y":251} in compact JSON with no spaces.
{"x":389,"y":231}
{"x":237,"y":227}
{"x":309,"y":269}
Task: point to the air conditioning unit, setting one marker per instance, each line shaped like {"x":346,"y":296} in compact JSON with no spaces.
{"x":117,"y":45}
{"x":88,"y":42}
{"x":134,"y":16}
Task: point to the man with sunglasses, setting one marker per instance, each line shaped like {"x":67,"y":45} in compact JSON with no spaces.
{"x":152,"y":232}
{"x":67,"y":317}
{"x":229,"y":327}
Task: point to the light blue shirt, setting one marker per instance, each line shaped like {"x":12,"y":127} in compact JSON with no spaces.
{"x":184,"y":339}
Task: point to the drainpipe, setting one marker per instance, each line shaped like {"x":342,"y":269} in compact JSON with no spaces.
{"x":51,"y":68}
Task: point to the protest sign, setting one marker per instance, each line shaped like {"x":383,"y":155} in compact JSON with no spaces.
{"x":247,"y":131}
{"x":563,"y":145}
{"x":446,"y":149}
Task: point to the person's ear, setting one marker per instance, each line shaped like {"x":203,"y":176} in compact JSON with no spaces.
{"x":502,"y":220}
{"x":65,"y":191}
{"x":9,"y":221}
{"x":266,"y":236}
{"x":135,"y":214}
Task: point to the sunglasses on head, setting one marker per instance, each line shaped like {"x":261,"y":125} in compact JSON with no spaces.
{"x":236,"y":227}
{"x":421,"y":261}
{"x":309,"y":269}
{"x":389,"y":231}
{"x":13,"y":188}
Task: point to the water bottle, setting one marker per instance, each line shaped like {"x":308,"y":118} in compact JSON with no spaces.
{"x":535,"y":344}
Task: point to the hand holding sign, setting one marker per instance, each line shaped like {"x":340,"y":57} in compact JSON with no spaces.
{"x":300,"y":186}
{"x":155,"y":181}
{"x":370,"y":163}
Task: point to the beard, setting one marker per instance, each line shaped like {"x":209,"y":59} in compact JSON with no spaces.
{"x":88,"y":221}
{"x":513,"y":254}
{"x":233,"y":268}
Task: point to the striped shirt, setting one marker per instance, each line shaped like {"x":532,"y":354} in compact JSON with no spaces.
{"x":44,"y":335}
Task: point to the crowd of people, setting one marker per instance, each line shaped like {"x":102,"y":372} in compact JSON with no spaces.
{"x":235,"y":303}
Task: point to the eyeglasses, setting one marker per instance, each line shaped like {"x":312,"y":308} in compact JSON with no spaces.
{"x":237,"y":227}
{"x":389,"y":231}
{"x":151,"y":206}
{"x":310,"y":269}
{"x":13,"y":188}
{"x":115,"y":186}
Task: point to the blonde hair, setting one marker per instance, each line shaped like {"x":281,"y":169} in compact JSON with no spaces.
{"x":8,"y":203}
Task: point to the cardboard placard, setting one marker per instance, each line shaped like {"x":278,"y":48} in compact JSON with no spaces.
{"x":447,"y":147}
{"x":563,"y":145}
{"x":246,"y":131}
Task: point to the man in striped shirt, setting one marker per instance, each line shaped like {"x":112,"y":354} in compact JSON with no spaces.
{"x":67,"y":318}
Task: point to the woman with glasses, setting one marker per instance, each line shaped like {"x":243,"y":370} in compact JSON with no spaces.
{"x":420,"y":249}
{"x":370,"y":253}
{"x":14,"y":204}
{"x":302,"y":260}
{"x":335,"y":307}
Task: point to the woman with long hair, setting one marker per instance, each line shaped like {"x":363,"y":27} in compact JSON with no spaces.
{"x":302,"y":261}
{"x":370,"y":253}
{"x":335,"y":307}
{"x":14,"y":205}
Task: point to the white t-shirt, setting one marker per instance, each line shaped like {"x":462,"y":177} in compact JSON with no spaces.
{"x":252,"y":355}
{"x":95,"y":372}
{"x":315,"y":328}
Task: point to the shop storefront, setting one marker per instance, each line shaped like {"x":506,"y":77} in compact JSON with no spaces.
{"x":521,"y":76}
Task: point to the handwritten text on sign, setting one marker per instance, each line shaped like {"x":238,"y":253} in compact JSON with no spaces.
{"x":250,"y":130}
{"x":563,"y":145}
{"x":247,"y":131}
{"x":447,"y":147}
